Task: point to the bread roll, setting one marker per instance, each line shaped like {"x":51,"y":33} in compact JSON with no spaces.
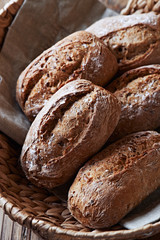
{"x":138,"y":90}
{"x":134,"y":39}
{"x":74,"y":124}
{"x":116,"y":180}
{"x":80,"y":55}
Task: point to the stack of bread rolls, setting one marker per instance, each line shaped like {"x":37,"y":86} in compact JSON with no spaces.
{"x":94,"y":102}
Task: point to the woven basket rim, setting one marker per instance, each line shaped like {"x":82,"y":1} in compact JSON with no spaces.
{"x":42,"y":226}
{"x":7,"y":14}
{"x":141,"y":6}
{"x":10,"y":3}
{"x":141,"y":232}
{"x":10,"y":201}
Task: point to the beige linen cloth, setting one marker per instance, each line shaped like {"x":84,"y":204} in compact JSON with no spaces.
{"x":37,"y":26}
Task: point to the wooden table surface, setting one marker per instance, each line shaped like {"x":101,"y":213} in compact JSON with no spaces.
{"x":10,"y":230}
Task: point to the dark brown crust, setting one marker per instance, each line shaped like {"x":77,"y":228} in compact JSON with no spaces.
{"x":74,"y":124}
{"x":134,"y":39}
{"x":116,"y":180}
{"x":80,"y":55}
{"x":138,"y":90}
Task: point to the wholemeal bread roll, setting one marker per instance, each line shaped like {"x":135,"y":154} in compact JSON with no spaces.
{"x":80,"y":55}
{"x":134,"y":39}
{"x":138,"y":90}
{"x":74,"y":124}
{"x":116,"y":180}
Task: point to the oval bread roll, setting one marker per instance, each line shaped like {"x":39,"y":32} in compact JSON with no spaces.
{"x":116,"y":180}
{"x":74,"y":124}
{"x":133,"y":39}
{"x":80,"y":55}
{"x":138,"y":90}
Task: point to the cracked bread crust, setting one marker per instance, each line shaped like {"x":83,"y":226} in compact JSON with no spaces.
{"x":81,"y":55}
{"x":116,"y":180}
{"x":138,"y":90}
{"x":133,"y":39}
{"x":74,"y":124}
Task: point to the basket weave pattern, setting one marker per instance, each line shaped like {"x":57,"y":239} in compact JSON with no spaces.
{"x":42,"y":211}
{"x":37,"y":208}
{"x":27,"y":204}
{"x":141,"y":6}
{"x":6,"y":17}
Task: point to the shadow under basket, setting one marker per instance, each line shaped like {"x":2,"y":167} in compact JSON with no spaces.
{"x":42,"y":211}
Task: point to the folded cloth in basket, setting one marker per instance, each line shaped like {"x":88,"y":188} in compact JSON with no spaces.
{"x":37,"y":26}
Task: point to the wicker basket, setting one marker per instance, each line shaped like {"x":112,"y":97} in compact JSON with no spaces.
{"x":35,"y":208}
{"x":7,"y":15}
{"x":141,"y":6}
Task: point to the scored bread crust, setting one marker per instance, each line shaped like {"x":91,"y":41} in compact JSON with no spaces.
{"x":80,"y":55}
{"x":116,"y":180}
{"x":134,"y":39}
{"x":138,"y":90}
{"x":74,"y":124}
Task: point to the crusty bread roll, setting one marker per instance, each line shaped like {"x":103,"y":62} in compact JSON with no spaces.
{"x":80,"y":55}
{"x":115,"y":180}
{"x":134,"y":39}
{"x":73,"y":125}
{"x":138,"y":90}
